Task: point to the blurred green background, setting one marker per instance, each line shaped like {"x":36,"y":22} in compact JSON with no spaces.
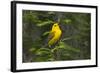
{"x":73,"y":45}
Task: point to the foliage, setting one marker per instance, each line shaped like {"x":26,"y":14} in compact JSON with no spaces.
{"x":73,"y":45}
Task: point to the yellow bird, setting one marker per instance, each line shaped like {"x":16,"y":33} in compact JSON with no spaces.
{"x":54,"y":34}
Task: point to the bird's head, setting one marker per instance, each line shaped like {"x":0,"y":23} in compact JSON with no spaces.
{"x":55,"y":26}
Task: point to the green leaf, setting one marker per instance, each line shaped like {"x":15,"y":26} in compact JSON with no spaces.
{"x":65,"y":46}
{"x":68,"y":38}
{"x":44,"y":23}
{"x":46,"y":33}
{"x":70,"y":48}
{"x":51,"y":12}
{"x":32,"y":49}
{"x":67,"y":21}
{"x":43,"y":51}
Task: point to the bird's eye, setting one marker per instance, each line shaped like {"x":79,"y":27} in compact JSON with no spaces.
{"x":55,"y":25}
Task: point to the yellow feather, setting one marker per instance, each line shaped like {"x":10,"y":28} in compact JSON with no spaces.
{"x":55,"y":34}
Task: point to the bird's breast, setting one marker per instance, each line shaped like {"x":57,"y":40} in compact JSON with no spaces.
{"x":58,"y":34}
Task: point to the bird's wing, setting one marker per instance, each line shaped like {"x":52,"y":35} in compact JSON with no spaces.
{"x":51,"y":35}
